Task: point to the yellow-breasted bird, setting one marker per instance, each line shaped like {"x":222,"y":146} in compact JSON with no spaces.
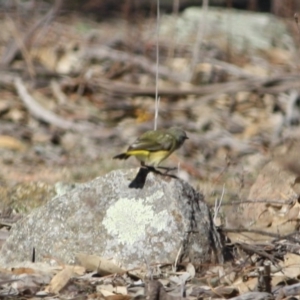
{"x":154,"y":146}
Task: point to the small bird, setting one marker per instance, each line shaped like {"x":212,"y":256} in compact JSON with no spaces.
{"x":154,"y":146}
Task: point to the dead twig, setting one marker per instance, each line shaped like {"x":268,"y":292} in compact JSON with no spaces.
{"x":264,"y":278}
{"x":256,"y":249}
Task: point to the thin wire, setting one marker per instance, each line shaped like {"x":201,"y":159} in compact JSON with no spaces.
{"x":157,"y":66}
{"x":157,"y":101}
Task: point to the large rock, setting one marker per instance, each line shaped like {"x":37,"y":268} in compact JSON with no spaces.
{"x":107,"y":218}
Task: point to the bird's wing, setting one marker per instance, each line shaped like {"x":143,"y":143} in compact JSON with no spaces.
{"x":153,"y":141}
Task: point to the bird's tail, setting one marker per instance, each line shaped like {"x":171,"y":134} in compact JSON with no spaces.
{"x":121,"y":156}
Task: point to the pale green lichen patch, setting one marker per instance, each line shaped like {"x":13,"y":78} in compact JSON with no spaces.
{"x":128,"y":219}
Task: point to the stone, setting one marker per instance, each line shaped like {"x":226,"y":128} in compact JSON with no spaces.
{"x":247,"y":30}
{"x":134,"y":226}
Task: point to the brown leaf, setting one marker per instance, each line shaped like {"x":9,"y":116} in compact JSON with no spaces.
{"x":10,"y":142}
{"x":60,"y":280}
{"x":290,"y":265}
{"x":79,"y":270}
{"x":96,"y":263}
{"x":245,"y":286}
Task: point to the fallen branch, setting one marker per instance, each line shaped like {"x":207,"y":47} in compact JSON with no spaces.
{"x":208,"y":92}
{"x":287,"y":291}
{"x":37,"y":110}
{"x":126,"y":89}
{"x":49,"y":117}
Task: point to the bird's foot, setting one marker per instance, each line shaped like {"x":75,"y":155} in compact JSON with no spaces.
{"x":167,"y":170}
{"x":152,"y":169}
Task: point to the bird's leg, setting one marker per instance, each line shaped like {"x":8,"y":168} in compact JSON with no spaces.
{"x":145,"y":166}
{"x":154,"y":170}
{"x":151,"y":169}
{"x":167,"y":170}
